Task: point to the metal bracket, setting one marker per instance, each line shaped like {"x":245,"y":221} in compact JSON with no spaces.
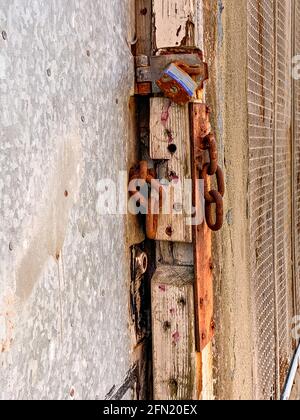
{"x":149,"y":70}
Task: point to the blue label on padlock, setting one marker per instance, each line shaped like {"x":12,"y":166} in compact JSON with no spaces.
{"x":182,"y":78}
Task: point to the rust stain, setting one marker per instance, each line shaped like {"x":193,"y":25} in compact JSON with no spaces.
{"x":284,"y":369}
{"x":166,"y":114}
{"x":189,"y":37}
{"x":51,"y":222}
{"x":173,"y":311}
{"x":169,"y":135}
{"x":176,"y":338}
{"x":8,"y":312}
{"x":162,"y":288}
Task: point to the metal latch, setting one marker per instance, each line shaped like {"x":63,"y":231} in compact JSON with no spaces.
{"x":141,"y":181}
{"x":177,"y":75}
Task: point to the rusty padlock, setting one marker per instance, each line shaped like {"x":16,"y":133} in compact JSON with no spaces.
{"x":177,"y":82}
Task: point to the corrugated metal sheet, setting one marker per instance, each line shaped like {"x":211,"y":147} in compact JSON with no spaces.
{"x":269,"y":102}
{"x":296,"y":153}
{"x":261,"y":189}
{"x":282,"y":183}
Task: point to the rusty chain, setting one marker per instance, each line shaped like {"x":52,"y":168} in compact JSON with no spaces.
{"x":141,"y":172}
{"x":214,"y":222}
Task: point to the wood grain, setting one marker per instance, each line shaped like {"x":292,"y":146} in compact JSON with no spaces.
{"x":169,"y":253}
{"x":143,"y":27}
{"x":174,"y":357}
{"x":169,"y":127}
{"x":175,"y":22}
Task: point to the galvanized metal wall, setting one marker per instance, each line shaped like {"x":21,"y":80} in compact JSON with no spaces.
{"x":270,"y":197}
{"x":66,"y":74}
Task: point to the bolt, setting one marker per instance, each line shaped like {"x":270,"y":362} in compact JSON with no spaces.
{"x":167,"y":326}
{"x":4,"y":35}
{"x":11,"y":248}
{"x":66,"y":194}
{"x":49,"y":72}
{"x":169,"y":231}
{"x":88,"y":53}
{"x":141,"y":262}
{"x":182,"y":301}
{"x":83,"y":119}
{"x":144,"y":11}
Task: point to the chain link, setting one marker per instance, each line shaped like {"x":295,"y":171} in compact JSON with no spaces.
{"x":212,"y":148}
{"x":213,"y":197}
{"x":139,"y":173}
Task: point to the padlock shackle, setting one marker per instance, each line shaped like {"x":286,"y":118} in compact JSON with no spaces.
{"x":191,"y":70}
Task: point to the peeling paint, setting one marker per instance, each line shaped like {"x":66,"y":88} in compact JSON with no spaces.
{"x":175,"y":22}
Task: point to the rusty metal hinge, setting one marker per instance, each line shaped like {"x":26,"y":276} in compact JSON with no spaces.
{"x":178,"y":75}
{"x":142,"y":181}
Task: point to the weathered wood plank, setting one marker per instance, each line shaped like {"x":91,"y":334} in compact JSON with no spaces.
{"x":177,"y":23}
{"x":170,"y":141}
{"x":174,"y":357}
{"x":143,"y":27}
{"x":134,"y":232}
{"x":168,"y":253}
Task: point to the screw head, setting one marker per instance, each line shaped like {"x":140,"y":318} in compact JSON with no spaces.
{"x":182,"y":301}
{"x":167,"y":326}
{"x":141,"y":262}
{"x":169,"y":231}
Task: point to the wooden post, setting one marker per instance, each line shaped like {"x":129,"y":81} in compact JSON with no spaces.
{"x":174,"y":362}
{"x":169,"y":127}
{"x":178,"y":23}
